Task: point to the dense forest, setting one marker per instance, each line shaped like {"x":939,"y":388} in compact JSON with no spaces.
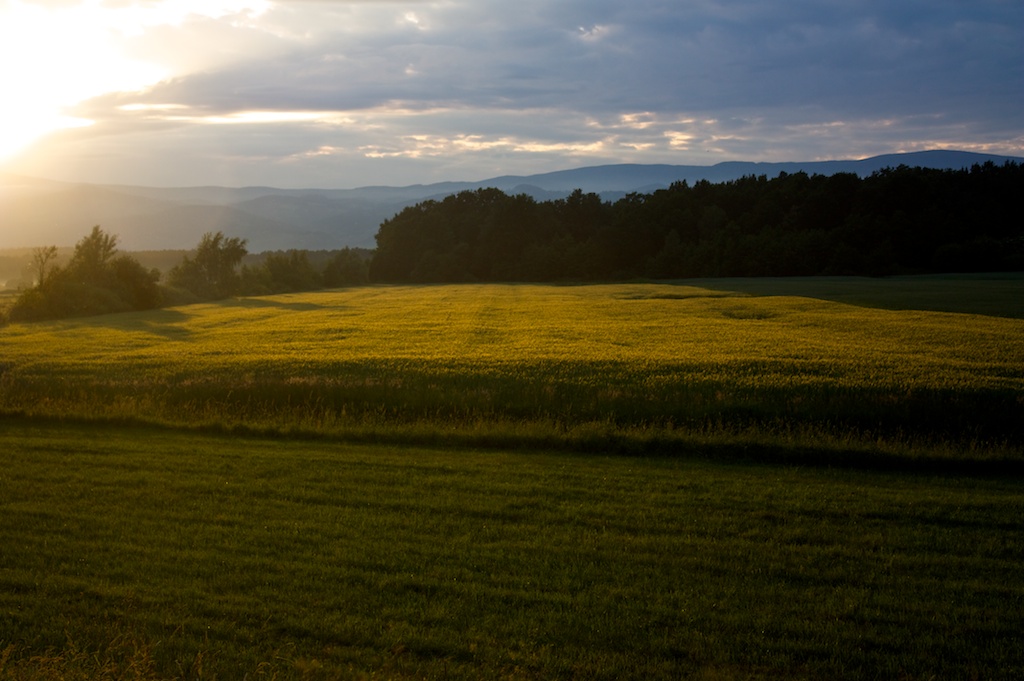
{"x":901,"y":220}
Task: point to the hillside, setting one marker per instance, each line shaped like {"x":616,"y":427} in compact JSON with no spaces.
{"x":36,"y":212}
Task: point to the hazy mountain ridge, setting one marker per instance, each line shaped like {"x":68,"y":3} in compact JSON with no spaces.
{"x":36,"y":212}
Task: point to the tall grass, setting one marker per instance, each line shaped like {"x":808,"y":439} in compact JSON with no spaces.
{"x":649,"y":366}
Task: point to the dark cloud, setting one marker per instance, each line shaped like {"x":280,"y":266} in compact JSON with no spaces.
{"x":468,"y":84}
{"x":862,"y":58}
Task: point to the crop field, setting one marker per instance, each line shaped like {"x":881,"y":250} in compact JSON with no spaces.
{"x":647,"y":366}
{"x":716,"y":479}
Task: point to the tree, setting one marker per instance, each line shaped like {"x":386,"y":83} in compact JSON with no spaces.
{"x":41,"y":259}
{"x":902,"y":220}
{"x":212,"y":273}
{"x":346,"y":268}
{"x":134,"y":284}
{"x":93,"y":282}
{"x":92,"y":255}
{"x":668,"y":262}
{"x":287,"y":272}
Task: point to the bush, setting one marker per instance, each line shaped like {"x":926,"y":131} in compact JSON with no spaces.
{"x":346,"y":268}
{"x":212,"y":273}
{"x":93,"y":282}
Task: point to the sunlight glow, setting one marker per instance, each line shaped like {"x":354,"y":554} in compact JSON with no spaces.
{"x":181,"y":113}
{"x":679,"y":140}
{"x":249,"y":117}
{"x":54,"y":57}
{"x":421,"y":146}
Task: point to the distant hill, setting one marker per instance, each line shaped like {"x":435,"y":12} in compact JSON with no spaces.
{"x":36,"y":212}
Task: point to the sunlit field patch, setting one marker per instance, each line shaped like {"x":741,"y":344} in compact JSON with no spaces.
{"x":646,"y":364}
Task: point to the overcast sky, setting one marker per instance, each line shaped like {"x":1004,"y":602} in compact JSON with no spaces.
{"x":343,"y":93}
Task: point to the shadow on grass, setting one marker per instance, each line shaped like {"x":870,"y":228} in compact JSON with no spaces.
{"x":995,"y":294}
{"x":170,"y":322}
{"x":165,"y":322}
{"x":280,"y":303}
{"x":726,"y":450}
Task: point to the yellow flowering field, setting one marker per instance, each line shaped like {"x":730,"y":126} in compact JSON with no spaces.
{"x":631,"y":356}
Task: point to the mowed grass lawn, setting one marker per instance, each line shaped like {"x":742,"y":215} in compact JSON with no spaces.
{"x":545,"y":482}
{"x":150,"y":553}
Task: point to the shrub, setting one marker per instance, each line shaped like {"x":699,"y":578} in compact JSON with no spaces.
{"x":93,"y":282}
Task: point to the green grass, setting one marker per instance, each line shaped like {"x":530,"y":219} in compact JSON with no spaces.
{"x":995,"y":294}
{"x":651,"y":366}
{"x":158,"y":554}
{"x":732,"y":479}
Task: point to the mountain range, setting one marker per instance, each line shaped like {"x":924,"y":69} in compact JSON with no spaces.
{"x":36,"y":212}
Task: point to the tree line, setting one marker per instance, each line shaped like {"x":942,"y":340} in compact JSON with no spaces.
{"x":896,"y":221}
{"x":98,"y":279}
{"x":901,"y":220}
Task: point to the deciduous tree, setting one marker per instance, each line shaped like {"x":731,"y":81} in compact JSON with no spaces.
{"x":42,"y":257}
{"x":212,"y":273}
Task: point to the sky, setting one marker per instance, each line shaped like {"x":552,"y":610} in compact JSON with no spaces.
{"x":349,"y":93}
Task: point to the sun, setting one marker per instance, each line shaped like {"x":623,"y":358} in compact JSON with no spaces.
{"x":57,"y":54}
{"x":51,"y":58}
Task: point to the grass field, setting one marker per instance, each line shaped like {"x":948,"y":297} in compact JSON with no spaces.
{"x":721,"y":479}
{"x":151,"y":553}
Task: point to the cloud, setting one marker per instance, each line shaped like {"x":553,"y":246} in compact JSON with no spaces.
{"x":341,"y":90}
{"x":652,"y":55}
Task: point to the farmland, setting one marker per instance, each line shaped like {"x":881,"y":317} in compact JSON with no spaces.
{"x":643,"y":363}
{"x":721,"y":479}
